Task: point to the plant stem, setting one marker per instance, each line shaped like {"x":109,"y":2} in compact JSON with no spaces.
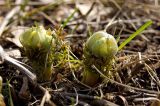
{"x":90,"y":77}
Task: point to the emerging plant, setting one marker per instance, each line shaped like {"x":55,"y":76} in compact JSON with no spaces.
{"x":39,"y":48}
{"x":99,"y":50}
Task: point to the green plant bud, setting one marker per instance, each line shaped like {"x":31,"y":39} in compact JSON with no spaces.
{"x":99,"y":50}
{"x":39,"y":48}
{"x":102,"y":45}
{"x":36,"y":37}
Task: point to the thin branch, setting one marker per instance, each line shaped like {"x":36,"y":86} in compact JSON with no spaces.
{"x":45,"y":98}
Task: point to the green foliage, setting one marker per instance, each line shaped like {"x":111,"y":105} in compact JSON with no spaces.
{"x":10,"y":100}
{"x":142,"y":28}
{"x":69,"y":18}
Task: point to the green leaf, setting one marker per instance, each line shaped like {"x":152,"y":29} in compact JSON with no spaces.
{"x":69,"y":18}
{"x":142,"y":28}
{"x":10,"y":95}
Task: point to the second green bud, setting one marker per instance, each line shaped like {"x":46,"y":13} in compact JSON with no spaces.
{"x":99,"y":50}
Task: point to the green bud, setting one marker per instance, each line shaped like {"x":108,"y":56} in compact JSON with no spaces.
{"x":39,"y":48}
{"x":99,"y":50}
{"x":36,"y":37}
{"x":102,"y":45}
